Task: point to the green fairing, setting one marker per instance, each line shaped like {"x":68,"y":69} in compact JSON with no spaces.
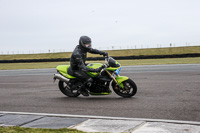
{"x":103,"y":93}
{"x":63,"y":70}
{"x":94,"y":66}
{"x":121,"y":79}
{"x":122,"y":85}
{"x":112,"y":68}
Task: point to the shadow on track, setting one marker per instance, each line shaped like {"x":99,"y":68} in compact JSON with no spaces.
{"x":94,"y":98}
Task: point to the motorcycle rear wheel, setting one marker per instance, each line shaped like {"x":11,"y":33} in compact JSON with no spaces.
{"x":64,"y":88}
{"x":129,"y":89}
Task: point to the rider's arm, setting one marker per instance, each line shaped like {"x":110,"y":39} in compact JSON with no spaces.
{"x":95,"y":51}
{"x":82,"y":66}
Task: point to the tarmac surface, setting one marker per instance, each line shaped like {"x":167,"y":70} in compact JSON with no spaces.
{"x":169,"y":92}
{"x":164,"y":92}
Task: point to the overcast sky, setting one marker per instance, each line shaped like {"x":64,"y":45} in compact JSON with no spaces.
{"x":35,"y":25}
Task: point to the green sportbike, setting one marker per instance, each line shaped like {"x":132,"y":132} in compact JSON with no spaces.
{"x":104,"y":82}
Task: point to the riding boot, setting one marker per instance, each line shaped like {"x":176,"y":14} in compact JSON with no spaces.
{"x":84,"y":91}
{"x":87,"y":84}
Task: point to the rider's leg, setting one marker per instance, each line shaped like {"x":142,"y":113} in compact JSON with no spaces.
{"x":86,"y":79}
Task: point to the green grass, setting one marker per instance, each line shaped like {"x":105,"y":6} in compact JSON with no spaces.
{"x":7,"y":66}
{"x":160,"y":61}
{"x":128,"y":52}
{"x":36,"y":130}
{"x":35,"y":56}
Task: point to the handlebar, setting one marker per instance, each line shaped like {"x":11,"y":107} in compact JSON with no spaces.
{"x":106,"y":61}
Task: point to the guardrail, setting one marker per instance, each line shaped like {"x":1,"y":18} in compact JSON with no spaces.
{"x":102,"y":58}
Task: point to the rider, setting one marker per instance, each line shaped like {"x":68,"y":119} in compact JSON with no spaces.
{"x":77,"y":62}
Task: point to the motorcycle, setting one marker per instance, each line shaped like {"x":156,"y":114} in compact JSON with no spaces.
{"x":104,"y":82}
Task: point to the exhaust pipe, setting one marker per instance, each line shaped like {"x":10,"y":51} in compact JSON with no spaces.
{"x":60,"y":77}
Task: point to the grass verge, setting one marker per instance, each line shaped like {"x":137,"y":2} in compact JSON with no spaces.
{"x":126,"y":52}
{"x":9,"y":66}
{"x":36,"y":130}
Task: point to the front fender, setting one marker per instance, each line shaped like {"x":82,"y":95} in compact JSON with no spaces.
{"x":121,"y":79}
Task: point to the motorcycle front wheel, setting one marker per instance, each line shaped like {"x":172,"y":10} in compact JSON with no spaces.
{"x":65,"y":89}
{"x":128,"y":90}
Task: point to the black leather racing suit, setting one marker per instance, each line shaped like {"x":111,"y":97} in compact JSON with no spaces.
{"x":77,"y":63}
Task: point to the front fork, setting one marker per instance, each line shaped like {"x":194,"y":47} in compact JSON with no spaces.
{"x":118,"y":79}
{"x":112,"y":77}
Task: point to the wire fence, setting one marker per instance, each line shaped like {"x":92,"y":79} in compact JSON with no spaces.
{"x":8,"y":52}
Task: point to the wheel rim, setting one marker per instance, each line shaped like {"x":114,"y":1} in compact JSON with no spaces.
{"x":66,"y":87}
{"x":128,"y":89}
{"x":66,"y":90}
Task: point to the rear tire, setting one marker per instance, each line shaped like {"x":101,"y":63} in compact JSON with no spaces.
{"x":129,"y":89}
{"x":64,"y":88}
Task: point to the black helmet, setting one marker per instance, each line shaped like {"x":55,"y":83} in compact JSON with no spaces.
{"x":85,"y":43}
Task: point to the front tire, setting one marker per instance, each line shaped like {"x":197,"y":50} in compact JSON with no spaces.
{"x":128,"y":90}
{"x":65,"y":89}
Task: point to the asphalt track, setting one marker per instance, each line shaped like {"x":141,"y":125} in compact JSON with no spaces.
{"x":164,"y":92}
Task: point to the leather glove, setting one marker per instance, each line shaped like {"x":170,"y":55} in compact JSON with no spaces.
{"x":98,"y":69}
{"x":105,"y":54}
{"x":104,"y":66}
